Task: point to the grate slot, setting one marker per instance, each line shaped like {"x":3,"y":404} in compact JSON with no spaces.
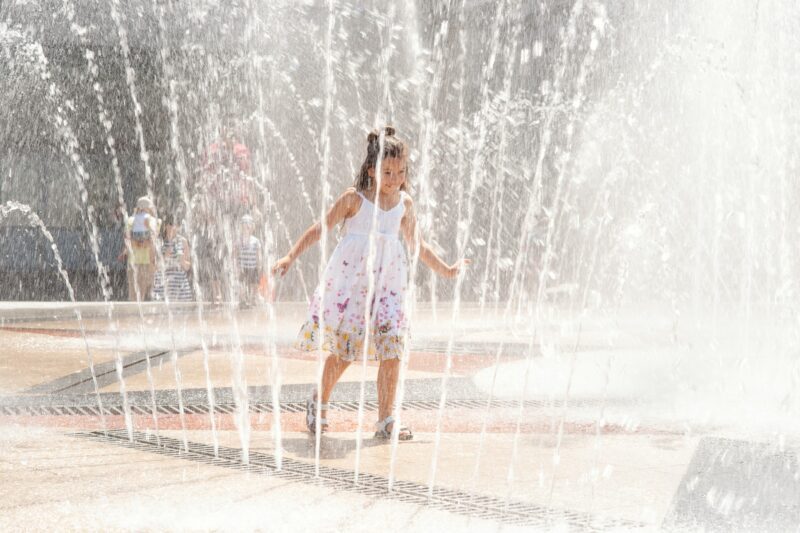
{"x":285,"y":407}
{"x":452,"y":500}
{"x":293,"y":407}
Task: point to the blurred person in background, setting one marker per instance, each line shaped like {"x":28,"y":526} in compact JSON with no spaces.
{"x":171,"y":278}
{"x":141,"y":230}
{"x":224,"y":193}
{"x":249,"y":261}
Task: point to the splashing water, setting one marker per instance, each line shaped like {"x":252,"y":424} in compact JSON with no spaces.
{"x":600,"y":163}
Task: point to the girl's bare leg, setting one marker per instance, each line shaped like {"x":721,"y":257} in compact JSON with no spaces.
{"x":333,"y":370}
{"x":388,"y":374}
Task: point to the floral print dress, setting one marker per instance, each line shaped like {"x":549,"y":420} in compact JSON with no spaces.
{"x":339,"y":316}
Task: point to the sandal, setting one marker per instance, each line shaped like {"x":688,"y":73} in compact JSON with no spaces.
{"x":383,"y":433}
{"x":311,"y":415}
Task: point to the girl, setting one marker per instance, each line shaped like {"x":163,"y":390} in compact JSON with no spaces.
{"x":336,"y":319}
{"x":177,"y":262}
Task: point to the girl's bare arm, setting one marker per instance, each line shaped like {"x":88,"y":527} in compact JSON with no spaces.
{"x":426,"y":253}
{"x":345,"y":206}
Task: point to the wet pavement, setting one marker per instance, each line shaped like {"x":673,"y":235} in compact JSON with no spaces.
{"x":85,"y":449}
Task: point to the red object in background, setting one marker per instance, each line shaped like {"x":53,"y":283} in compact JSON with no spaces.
{"x":264,"y":288}
{"x":227,"y":155}
{"x":227,"y":168}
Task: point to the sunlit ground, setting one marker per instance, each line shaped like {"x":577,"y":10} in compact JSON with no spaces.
{"x":624,"y":418}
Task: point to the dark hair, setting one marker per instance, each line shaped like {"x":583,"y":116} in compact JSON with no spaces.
{"x":168,"y":220}
{"x":392,"y":147}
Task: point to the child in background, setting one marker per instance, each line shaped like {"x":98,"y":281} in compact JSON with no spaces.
{"x":177,"y":261}
{"x":140,"y":233}
{"x":359,"y":309}
{"x":248,"y":256}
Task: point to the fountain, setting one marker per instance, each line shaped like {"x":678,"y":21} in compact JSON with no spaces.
{"x":619,"y":174}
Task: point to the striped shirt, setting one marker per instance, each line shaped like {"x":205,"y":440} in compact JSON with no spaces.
{"x":177,"y":285}
{"x":249,"y":250}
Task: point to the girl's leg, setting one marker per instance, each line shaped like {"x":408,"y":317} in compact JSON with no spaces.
{"x":333,"y":370}
{"x":131,"y":284}
{"x":388,"y":374}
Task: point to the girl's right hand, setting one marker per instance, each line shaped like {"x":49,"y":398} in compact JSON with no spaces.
{"x":282,"y":265}
{"x":456,"y":268}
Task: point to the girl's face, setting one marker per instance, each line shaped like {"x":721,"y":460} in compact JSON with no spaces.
{"x":170,"y":231}
{"x":393,"y":174}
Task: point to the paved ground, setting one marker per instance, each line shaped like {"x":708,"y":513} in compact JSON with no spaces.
{"x":586,"y":428}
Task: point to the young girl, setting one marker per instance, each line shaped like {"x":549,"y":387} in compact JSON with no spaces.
{"x":177,"y":259}
{"x":336,"y":319}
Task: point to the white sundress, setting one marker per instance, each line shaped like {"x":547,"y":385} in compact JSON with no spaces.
{"x":336,"y":316}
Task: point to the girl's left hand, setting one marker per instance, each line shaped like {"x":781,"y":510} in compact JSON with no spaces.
{"x":455,"y":269}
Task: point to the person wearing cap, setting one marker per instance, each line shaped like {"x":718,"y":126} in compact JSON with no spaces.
{"x":228,"y":172}
{"x":140,"y":233}
{"x":224,"y":193}
{"x":249,"y":260}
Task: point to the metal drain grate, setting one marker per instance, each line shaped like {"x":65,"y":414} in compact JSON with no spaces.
{"x":267,"y":407}
{"x":452,"y":500}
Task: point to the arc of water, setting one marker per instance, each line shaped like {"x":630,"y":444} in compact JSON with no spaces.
{"x":510,"y":51}
{"x":561,"y":188}
{"x":494,"y":232}
{"x":171,"y":103}
{"x":273,"y":207}
{"x":240,"y":394}
{"x":236,"y":355}
{"x":602,"y":199}
{"x":427,"y":126}
{"x":324,"y":192}
{"x":274,"y":372}
{"x":301,"y":105}
{"x":551,"y":110}
{"x":181,"y":168}
{"x":276,"y":134}
{"x":70,"y":146}
{"x":463,"y":238}
{"x":270,"y":334}
{"x":385,"y":56}
{"x":463,"y":137}
{"x":573,"y":357}
{"x":130,"y":77}
{"x":34,"y":220}
{"x":93,"y":70}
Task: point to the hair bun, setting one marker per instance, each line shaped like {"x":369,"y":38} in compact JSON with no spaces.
{"x":375,"y":134}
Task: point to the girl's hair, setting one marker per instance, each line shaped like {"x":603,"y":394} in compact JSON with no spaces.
{"x":169,"y":220}
{"x":392,"y":147}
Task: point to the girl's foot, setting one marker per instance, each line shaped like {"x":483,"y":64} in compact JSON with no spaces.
{"x":311,"y":415}
{"x":384,"y":430}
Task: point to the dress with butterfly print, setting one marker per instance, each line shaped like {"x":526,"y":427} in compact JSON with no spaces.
{"x":336,"y":317}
